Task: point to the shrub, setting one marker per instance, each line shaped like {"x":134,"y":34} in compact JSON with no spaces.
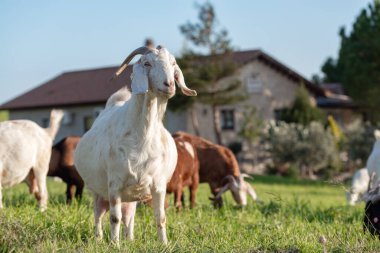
{"x":360,"y":140}
{"x":310,"y":148}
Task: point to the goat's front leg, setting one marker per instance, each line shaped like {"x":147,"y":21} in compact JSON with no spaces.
{"x":178,"y":197}
{"x":70,"y":193}
{"x":159,"y":211}
{"x":115,"y":217}
{"x":128,"y":211}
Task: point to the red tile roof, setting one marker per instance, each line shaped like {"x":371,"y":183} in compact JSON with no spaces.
{"x":93,"y":86}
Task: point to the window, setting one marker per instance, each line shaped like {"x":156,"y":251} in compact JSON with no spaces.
{"x":254,"y":84}
{"x":88,"y":121}
{"x":45,"y":122}
{"x":227,"y":119}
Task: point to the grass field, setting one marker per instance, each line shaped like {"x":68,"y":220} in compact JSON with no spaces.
{"x":293,"y":217}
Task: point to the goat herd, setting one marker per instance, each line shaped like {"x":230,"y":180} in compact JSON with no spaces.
{"x":127,"y":156}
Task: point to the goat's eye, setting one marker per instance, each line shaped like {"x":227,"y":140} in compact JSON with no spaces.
{"x":147,"y":64}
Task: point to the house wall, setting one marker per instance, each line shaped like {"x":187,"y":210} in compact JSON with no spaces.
{"x":276,"y":92}
{"x":72,"y":124}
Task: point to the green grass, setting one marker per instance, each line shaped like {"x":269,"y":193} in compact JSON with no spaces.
{"x":4,"y":115}
{"x":293,"y":217}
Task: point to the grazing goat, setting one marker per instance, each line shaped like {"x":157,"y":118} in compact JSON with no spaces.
{"x":62,"y":166}
{"x":186,"y":173}
{"x":128,"y":155}
{"x":218,"y":167}
{"x":360,"y":182}
{"x":25,"y":151}
{"x":373,"y":162}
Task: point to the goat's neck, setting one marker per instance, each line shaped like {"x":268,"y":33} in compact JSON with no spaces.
{"x":148,"y":112}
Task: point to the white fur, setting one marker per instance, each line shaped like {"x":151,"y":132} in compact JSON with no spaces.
{"x":373,"y":162}
{"x":360,"y":182}
{"x":25,"y":148}
{"x":128,"y":155}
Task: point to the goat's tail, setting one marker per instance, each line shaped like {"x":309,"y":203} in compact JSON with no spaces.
{"x":55,"y":121}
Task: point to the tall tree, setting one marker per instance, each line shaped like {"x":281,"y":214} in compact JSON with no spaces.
{"x":211,"y":64}
{"x":358,"y":63}
{"x":301,"y":111}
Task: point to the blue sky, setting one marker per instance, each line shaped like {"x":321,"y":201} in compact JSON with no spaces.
{"x":40,"y":39}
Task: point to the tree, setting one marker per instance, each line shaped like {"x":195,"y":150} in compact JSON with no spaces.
{"x":251,"y":125}
{"x":358,"y":63}
{"x":208,"y":69}
{"x":302,"y":111}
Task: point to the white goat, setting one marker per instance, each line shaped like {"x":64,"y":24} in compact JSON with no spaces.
{"x":128,"y":155}
{"x":373,"y":162}
{"x":25,"y":149}
{"x":360,"y":182}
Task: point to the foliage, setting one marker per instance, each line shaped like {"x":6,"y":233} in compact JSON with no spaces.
{"x":338,"y":134}
{"x":207,"y":72}
{"x":293,"y":216}
{"x":301,"y":111}
{"x":358,"y":63}
{"x":4,"y":115}
{"x":251,"y":125}
{"x":310,"y":148}
{"x":360,"y":140}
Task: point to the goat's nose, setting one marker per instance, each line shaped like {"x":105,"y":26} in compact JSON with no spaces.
{"x":169,"y":84}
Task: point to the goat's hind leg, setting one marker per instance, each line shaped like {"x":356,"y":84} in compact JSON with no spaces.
{"x":40,"y":176}
{"x":100,"y":208}
{"x":128,"y":211}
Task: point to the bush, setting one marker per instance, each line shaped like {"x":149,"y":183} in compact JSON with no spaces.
{"x":360,"y":140}
{"x":310,"y":148}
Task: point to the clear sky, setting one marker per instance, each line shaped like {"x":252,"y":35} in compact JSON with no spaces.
{"x":40,"y":39}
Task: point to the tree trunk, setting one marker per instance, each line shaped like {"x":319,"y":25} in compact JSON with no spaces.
{"x":218,"y":133}
{"x":194,"y":120}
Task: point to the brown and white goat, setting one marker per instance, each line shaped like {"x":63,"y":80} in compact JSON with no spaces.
{"x":219,"y":168}
{"x":62,"y":166}
{"x":186,"y":173}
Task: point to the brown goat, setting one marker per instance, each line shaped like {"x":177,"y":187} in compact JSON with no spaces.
{"x":219,"y":168}
{"x":186,"y":173}
{"x":62,"y":166}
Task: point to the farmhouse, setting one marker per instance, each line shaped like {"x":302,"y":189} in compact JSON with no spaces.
{"x":270,"y":84}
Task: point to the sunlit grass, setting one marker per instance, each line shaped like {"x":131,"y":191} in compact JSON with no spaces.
{"x":293,"y":217}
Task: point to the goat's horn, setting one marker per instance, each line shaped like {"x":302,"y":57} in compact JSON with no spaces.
{"x":244,"y":175}
{"x":222,"y":190}
{"x":123,"y":66}
{"x":181,"y":82}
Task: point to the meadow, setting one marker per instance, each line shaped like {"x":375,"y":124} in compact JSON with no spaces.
{"x":293,"y":217}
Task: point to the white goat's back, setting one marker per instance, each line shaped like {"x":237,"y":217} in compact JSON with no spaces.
{"x":119,"y":97}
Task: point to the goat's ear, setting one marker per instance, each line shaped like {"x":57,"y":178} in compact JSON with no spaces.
{"x":178,"y":76}
{"x":139,"y":79}
{"x":376,"y":133}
